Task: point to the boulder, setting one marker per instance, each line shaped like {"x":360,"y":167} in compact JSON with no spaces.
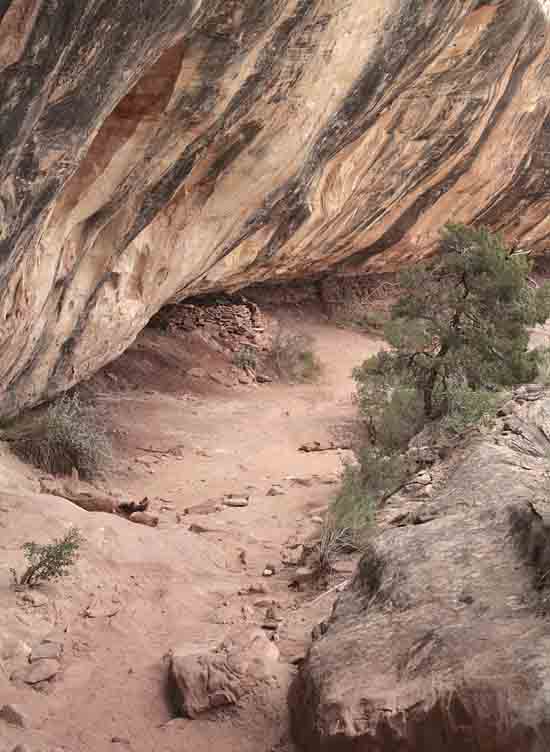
{"x":441,"y":642}
{"x":144,"y":518}
{"x":208,"y":679}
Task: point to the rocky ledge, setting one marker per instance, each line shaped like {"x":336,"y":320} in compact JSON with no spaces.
{"x":442,"y":640}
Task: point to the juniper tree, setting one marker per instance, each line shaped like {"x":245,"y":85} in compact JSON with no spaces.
{"x":462,"y":322}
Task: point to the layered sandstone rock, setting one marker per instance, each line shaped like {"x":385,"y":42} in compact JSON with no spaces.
{"x":442,"y":641}
{"x":154,"y":150}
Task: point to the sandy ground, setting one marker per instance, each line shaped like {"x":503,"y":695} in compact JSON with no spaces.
{"x":137,"y":592}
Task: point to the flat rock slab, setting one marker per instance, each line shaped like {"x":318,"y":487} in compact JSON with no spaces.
{"x":38,"y":672}
{"x":46,"y":651}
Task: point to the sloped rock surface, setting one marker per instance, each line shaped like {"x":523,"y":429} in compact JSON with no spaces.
{"x":156,"y":151}
{"x":443,"y":639}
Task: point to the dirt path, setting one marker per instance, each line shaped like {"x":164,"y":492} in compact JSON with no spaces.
{"x":144,"y":591}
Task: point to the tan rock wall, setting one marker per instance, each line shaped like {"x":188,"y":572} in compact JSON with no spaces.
{"x":195,"y":146}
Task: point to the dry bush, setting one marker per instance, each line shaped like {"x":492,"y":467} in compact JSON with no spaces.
{"x":335,"y":541}
{"x":292,"y":357}
{"x":246,"y":357}
{"x":67,"y":435}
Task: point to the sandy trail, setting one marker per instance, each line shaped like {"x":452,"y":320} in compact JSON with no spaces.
{"x":151,"y":590}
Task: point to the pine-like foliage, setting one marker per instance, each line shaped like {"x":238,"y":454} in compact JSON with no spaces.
{"x":461,"y":323}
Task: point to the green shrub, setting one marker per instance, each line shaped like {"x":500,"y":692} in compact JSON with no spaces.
{"x":466,"y":407}
{"x":292,"y":357}
{"x":50,"y":560}
{"x":543,"y":366}
{"x":393,"y":413}
{"x":458,"y":336}
{"x":382,"y":473}
{"x":354,"y":506}
{"x":67,"y":435}
{"x":465,"y":317}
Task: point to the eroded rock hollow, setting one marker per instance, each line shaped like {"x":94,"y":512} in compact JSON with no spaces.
{"x":150,"y":151}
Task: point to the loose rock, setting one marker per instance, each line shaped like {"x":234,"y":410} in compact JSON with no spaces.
{"x":259,"y":589}
{"x":276,"y":490}
{"x":14,"y":715}
{"x":303,"y":575}
{"x":144,"y":518}
{"x":211,"y":679}
{"x":40,"y":671}
{"x":46,"y":651}
{"x":236,"y":502}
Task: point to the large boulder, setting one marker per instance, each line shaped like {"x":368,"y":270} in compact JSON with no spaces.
{"x":154,"y":151}
{"x":442,"y":642}
{"x":209,"y":679}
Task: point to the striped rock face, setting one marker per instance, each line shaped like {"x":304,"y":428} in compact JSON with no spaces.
{"x":149,"y":151}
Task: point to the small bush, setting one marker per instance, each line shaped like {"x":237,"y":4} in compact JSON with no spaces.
{"x":364,"y":487}
{"x":354,"y":506}
{"x":335,"y":541}
{"x":65,"y":436}
{"x":543,"y":366}
{"x":50,"y":560}
{"x":382,"y":473}
{"x":466,"y":408}
{"x":293,"y":358}
{"x":246,"y":358}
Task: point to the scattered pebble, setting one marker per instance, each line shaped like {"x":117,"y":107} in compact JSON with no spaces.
{"x":236,"y":502}
{"x":194,"y":528}
{"x":259,"y":589}
{"x":276,"y":490}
